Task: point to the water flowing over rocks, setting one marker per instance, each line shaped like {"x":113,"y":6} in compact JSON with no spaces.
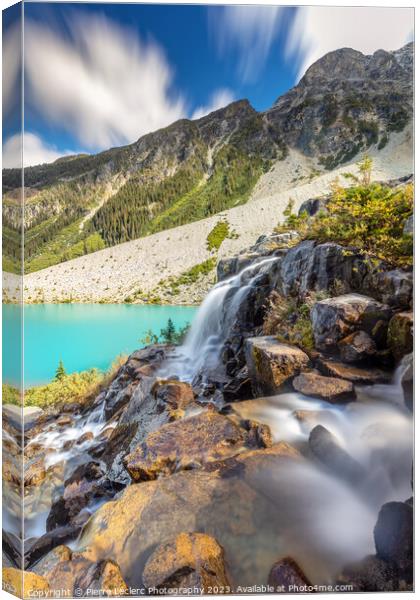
{"x":237,"y":459}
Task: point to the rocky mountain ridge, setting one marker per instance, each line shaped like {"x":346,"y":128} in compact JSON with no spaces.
{"x":345,"y":103}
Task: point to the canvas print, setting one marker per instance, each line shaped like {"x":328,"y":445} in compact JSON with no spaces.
{"x":207,"y":299}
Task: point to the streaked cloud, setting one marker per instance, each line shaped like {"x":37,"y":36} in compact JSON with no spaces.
{"x":36,"y":152}
{"x":219,"y":99}
{"x":317,"y":30}
{"x":250,"y":30}
{"x":104,"y":85}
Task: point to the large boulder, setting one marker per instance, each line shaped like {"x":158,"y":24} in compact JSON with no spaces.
{"x":400,"y":334}
{"x":393,"y":534}
{"x":224,"y":500}
{"x":72,"y":574}
{"x":190,"y":560}
{"x":286,"y":576}
{"x":330,"y":453}
{"x":357,"y":347}
{"x":185,"y":444}
{"x":371,"y":574}
{"x":394,"y":288}
{"x":330,"y":389}
{"x":271,"y":364}
{"x":335,"y":318}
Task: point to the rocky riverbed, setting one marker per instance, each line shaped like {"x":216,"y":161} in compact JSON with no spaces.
{"x":239,"y":459}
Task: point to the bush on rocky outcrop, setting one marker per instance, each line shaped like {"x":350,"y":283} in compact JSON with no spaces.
{"x":369,"y":216}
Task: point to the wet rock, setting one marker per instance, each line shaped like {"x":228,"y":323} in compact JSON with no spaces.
{"x":371,"y":575}
{"x":79,"y":576}
{"x":191,"y":559}
{"x":407,"y":382}
{"x":400,"y":334}
{"x":326,"y":447}
{"x":34,"y":471}
{"x":238,"y":387}
{"x":335,"y":318}
{"x":175,"y":396}
{"x":394,"y":288}
{"x":185,"y":444}
{"x":313,"y":206}
{"x":86,"y":437}
{"x":226,"y":267}
{"x":330,"y":389}
{"x":259,"y":435}
{"x":357,"y":347}
{"x":52,"y":539}
{"x":33,"y":449}
{"x":222,"y":499}
{"x":48,"y":562}
{"x":355,"y":374}
{"x":30,"y":585}
{"x":65,"y":421}
{"x":11,"y":471}
{"x":12,"y":548}
{"x":286,"y":576}
{"x":271,"y":364}
{"x":393,"y":534}
{"x":309,"y":266}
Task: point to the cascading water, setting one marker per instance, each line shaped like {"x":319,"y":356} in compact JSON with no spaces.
{"x":201,"y":350}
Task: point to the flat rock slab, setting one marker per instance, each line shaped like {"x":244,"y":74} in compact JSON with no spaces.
{"x":185,"y":444}
{"x":356,"y":375}
{"x":271,"y":364}
{"x":331,"y":389}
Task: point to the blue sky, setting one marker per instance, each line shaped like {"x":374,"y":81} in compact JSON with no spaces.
{"x":101,"y":75}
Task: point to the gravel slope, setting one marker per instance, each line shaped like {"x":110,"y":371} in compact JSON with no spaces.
{"x":113,"y":274}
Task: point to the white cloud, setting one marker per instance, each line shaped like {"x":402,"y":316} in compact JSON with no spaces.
{"x":317,"y":30}
{"x":249,"y":29}
{"x":219,"y":99}
{"x":104,"y":85}
{"x":36,"y":151}
{"x":11,"y":51}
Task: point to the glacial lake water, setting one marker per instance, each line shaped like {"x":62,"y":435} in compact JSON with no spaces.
{"x":81,"y":335}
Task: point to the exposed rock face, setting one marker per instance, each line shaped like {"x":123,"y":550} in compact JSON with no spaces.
{"x":393,"y":534}
{"x":335,"y":318}
{"x":355,"y":88}
{"x":330,"y":389}
{"x":327,"y":449}
{"x":191,"y":559}
{"x":400,"y":334}
{"x":357,"y":347}
{"x":309,"y":266}
{"x":271,"y":364}
{"x":286,"y":576}
{"x":185,"y":444}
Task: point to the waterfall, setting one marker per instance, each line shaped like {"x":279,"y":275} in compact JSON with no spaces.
{"x":210,"y":328}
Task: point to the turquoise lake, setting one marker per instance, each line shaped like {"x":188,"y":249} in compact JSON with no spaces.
{"x":81,"y":335}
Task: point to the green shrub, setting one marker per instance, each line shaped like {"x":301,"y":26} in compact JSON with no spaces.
{"x":368,"y":216}
{"x":217,"y":235}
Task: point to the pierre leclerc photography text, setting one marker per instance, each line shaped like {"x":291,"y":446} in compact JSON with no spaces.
{"x":207,"y":378}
